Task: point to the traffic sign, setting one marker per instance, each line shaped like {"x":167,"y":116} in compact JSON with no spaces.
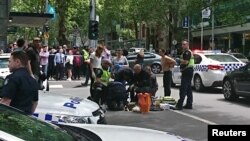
{"x":185,"y":23}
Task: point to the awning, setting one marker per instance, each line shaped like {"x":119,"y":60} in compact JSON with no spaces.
{"x":29,"y":19}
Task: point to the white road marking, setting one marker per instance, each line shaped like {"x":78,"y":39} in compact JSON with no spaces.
{"x":196,"y":118}
{"x":55,"y":86}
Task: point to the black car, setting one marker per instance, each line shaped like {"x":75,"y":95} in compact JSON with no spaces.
{"x":237,"y":83}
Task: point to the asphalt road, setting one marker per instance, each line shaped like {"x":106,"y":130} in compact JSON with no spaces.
{"x":209,"y":108}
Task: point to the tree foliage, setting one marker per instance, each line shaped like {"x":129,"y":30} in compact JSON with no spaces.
{"x":157,"y":14}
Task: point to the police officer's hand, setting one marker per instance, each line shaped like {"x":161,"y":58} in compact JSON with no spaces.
{"x":32,"y":75}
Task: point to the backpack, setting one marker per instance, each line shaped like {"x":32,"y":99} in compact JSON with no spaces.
{"x":77,"y":61}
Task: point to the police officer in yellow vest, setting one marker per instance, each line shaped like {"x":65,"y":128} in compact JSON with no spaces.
{"x":86,"y":68}
{"x":186,"y":66}
{"x":102,"y":79}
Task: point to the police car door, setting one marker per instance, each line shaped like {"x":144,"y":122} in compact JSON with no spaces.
{"x":243,"y":80}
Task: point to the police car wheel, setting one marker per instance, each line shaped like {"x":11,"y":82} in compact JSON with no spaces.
{"x":198,"y":86}
{"x":156,"y":68}
{"x":229,"y":91}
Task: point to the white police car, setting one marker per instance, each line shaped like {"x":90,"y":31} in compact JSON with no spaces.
{"x":209,"y":69}
{"x":4,"y":61}
{"x":15,"y":126}
{"x":66,"y":109}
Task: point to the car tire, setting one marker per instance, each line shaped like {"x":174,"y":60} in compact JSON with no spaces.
{"x":198,"y":85}
{"x":156,"y":68}
{"x":228,"y":90}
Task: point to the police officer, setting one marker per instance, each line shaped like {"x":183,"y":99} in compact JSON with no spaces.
{"x":103,"y":76}
{"x":20,"y":89}
{"x":186,"y":66}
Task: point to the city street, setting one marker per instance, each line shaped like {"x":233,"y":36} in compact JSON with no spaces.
{"x":209,"y":108}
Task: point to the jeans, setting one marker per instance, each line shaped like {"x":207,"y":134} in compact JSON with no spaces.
{"x":186,"y":88}
{"x":45,"y":69}
{"x":167,"y":80}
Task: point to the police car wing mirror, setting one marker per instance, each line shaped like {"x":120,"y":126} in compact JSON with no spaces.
{"x":1,"y":82}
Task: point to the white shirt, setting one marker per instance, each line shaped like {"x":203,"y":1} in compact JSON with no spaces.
{"x":69,"y":59}
{"x":96,"y":63}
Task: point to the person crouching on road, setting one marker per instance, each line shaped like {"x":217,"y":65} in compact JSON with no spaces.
{"x":167,"y":63}
{"x":103,"y":76}
{"x":20,"y":89}
{"x":153,"y":81}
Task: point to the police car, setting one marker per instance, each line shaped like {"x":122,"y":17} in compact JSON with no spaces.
{"x":209,"y":69}
{"x":66,"y":109}
{"x":4,"y":61}
{"x":15,"y":126}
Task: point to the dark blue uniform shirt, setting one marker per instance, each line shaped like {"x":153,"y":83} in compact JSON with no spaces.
{"x":22,"y":89}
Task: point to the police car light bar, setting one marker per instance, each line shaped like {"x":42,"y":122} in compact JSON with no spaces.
{"x":207,"y":51}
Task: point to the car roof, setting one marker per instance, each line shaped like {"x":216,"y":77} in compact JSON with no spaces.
{"x":5,"y":55}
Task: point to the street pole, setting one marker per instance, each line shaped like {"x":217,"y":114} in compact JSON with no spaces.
{"x":202,"y":33}
{"x":92,"y":17}
{"x":213,"y":44}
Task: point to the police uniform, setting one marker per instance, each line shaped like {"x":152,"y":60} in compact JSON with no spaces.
{"x":186,"y":78}
{"x":22,"y":89}
{"x":100,"y":89}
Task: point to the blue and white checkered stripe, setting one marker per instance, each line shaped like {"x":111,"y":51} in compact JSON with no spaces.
{"x":200,"y":68}
{"x":231,"y":66}
{"x":47,"y":117}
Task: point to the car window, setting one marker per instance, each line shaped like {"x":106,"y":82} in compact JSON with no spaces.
{"x":131,"y":57}
{"x":149,"y":56}
{"x":28,"y":128}
{"x":222,"y":58}
{"x":240,"y":56}
{"x":4,"y":62}
{"x":197,"y":59}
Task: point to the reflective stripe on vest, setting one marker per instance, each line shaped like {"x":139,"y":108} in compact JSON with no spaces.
{"x":191,"y":60}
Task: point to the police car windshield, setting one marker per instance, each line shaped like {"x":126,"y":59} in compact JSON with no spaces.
{"x":222,"y":58}
{"x":16,"y":123}
{"x":4,"y":62}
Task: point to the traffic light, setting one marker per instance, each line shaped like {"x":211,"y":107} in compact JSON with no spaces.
{"x":93,"y":30}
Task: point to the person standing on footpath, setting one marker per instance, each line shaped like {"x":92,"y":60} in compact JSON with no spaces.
{"x":34,"y":58}
{"x":186,"y":67}
{"x":20,"y":89}
{"x":167,"y":64}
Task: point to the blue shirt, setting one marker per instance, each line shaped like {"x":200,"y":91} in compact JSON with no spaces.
{"x":59,"y":58}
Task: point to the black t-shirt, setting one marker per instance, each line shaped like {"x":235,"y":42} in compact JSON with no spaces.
{"x":34,"y":58}
{"x":139,"y":59}
{"x":142,"y":79}
{"x":22,"y":89}
{"x":124,"y":74}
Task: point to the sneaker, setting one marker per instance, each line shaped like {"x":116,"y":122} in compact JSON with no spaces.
{"x":84,"y":84}
{"x":69,"y":79}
